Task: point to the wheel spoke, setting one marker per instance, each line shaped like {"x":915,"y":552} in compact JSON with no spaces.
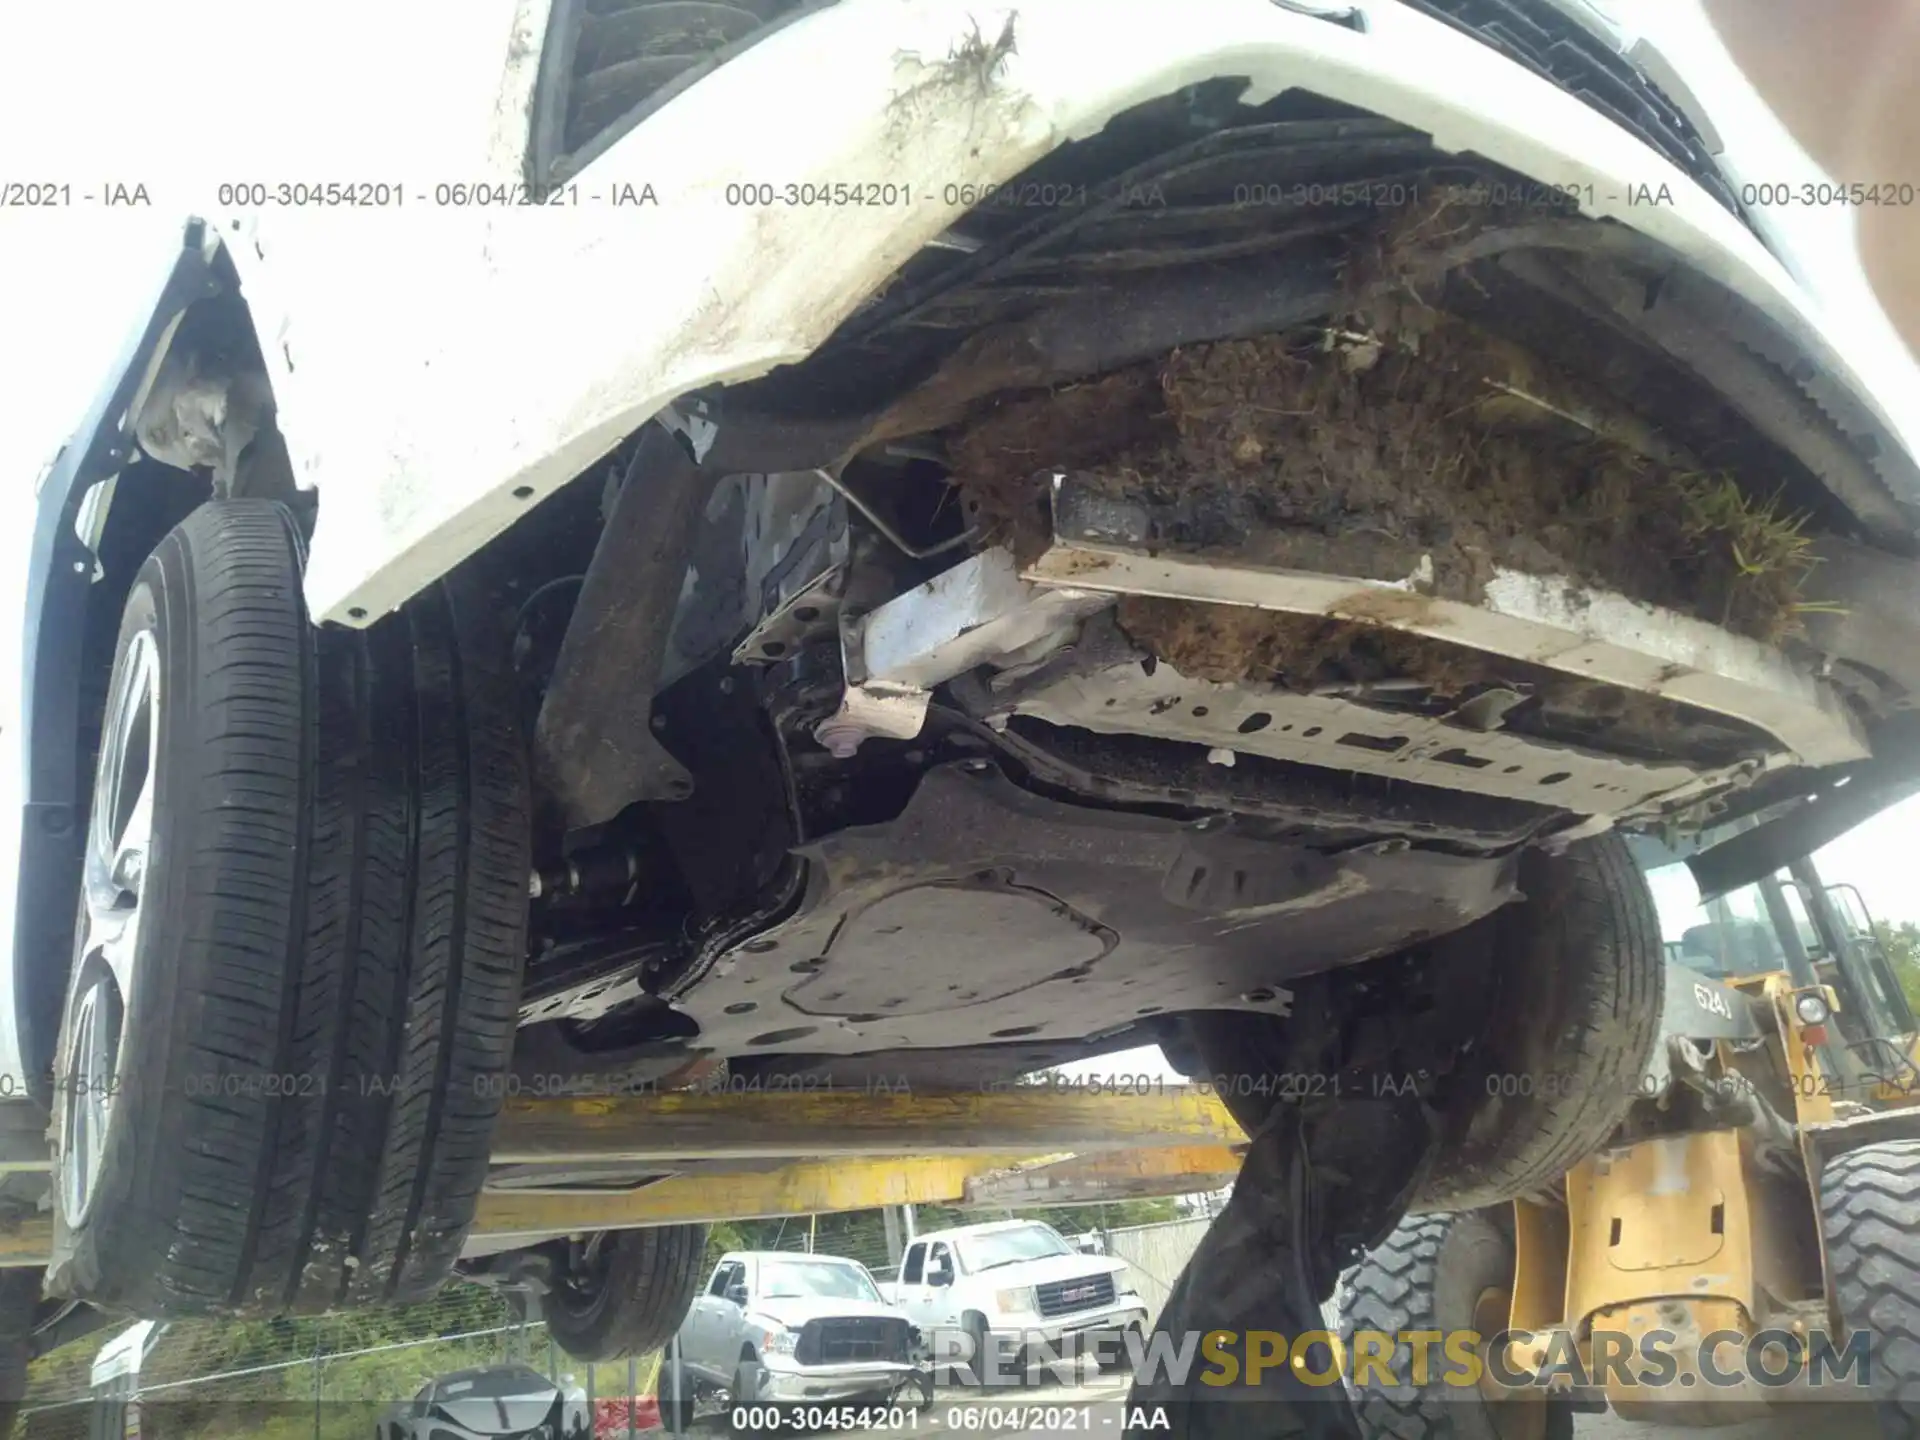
{"x":119,"y":839}
{"x":112,"y":935}
{"x":86,"y":1104}
{"x":122,"y":820}
{"x":128,"y":866}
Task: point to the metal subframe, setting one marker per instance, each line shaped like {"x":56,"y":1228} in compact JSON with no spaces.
{"x":1105,"y":544}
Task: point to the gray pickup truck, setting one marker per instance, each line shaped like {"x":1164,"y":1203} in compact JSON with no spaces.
{"x":775,"y":1329}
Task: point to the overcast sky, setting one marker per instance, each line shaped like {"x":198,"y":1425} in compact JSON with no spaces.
{"x":175,"y":94}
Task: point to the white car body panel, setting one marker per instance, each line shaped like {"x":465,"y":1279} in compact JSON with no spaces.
{"x":438,"y":374}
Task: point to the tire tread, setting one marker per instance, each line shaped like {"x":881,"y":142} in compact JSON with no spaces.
{"x":651,"y":1282}
{"x":350,"y":918}
{"x":1868,"y":1200}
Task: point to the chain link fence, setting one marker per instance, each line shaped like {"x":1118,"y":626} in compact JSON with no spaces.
{"x":1157,"y":1253}
{"x":319,"y":1378}
{"x":322,"y":1377}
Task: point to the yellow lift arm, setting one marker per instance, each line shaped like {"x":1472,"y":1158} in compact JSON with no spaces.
{"x":1027,"y":1146}
{"x":695,"y":1124}
{"x":817,"y":1187}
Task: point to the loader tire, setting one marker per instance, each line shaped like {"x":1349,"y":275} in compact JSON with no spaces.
{"x":673,"y":1394}
{"x":1444,"y":1273}
{"x":1869,"y":1199}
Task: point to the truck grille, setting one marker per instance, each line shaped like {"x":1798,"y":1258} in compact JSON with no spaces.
{"x":842,"y":1342}
{"x":609,"y":63}
{"x":1065,"y":1297}
{"x":1536,"y":34}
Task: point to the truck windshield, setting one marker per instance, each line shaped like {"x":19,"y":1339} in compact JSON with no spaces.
{"x":1004,"y":1247}
{"x":1723,"y":938}
{"x":795,"y":1279}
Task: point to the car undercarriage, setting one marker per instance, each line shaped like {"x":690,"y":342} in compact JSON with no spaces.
{"x":1234,"y":590}
{"x":1141,"y":606}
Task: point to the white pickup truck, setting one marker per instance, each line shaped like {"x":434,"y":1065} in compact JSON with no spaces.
{"x":773,"y":1328}
{"x":1012,"y":1286}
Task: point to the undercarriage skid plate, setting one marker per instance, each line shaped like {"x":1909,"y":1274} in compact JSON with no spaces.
{"x":984,"y":914}
{"x":989,"y":609}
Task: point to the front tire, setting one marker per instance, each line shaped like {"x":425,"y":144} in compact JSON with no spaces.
{"x":673,"y":1394}
{"x":745,"y":1414}
{"x":626,"y":1291}
{"x":981,"y":1340}
{"x":297,"y":964}
{"x":1868,"y":1200}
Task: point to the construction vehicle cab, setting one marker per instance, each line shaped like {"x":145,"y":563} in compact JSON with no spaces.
{"x":1743,"y":1240}
{"x":1815,"y":933}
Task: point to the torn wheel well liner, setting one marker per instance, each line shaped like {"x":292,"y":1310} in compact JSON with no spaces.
{"x":62,"y":680}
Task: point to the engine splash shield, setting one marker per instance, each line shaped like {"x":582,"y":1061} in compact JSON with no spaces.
{"x":920,"y":931}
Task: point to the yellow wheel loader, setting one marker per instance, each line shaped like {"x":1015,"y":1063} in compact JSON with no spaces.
{"x":1748,"y":1239}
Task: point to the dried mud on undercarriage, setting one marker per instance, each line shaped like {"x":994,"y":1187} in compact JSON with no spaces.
{"x":1344,"y":451}
{"x":1225,"y":643}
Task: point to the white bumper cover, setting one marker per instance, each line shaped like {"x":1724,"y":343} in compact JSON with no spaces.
{"x":1015,"y":1332}
{"x":781,"y":1378}
{"x":437,"y":377}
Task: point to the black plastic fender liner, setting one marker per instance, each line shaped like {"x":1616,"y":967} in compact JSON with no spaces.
{"x":60,"y":573}
{"x":594,"y":746}
{"x":1816,"y":821}
{"x":1833,"y":803}
{"x":1267,"y":1264}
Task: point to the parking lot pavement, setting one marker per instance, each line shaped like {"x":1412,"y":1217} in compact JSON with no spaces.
{"x":1848,"y":1422}
{"x":1095,"y":1408}
{"x":1090,"y":1408}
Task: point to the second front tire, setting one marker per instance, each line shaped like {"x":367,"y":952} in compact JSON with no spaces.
{"x":625,"y":1292}
{"x":1569,"y":982}
{"x":297,"y":961}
